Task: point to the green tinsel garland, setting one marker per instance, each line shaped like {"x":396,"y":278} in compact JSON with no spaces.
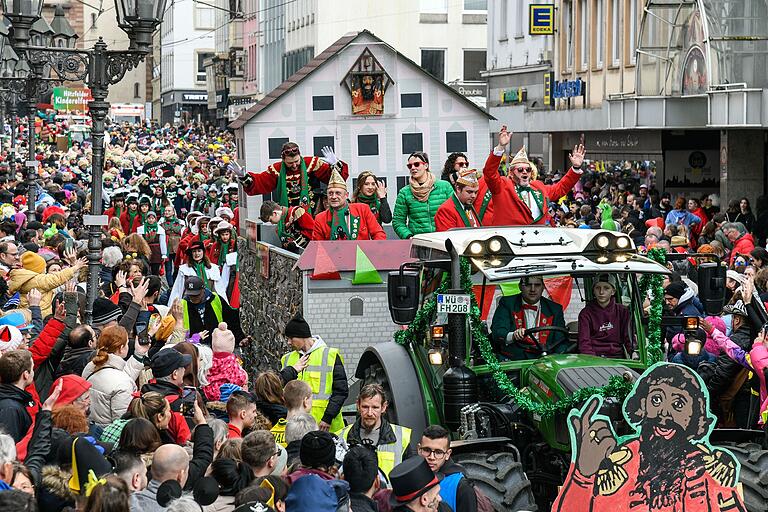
{"x":654,"y":283}
{"x":617,"y":387}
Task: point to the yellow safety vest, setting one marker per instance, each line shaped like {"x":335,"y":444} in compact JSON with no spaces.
{"x":279,"y":432}
{"x":215,"y":304}
{"x":390,"y":454}
{"x":319,"y":375}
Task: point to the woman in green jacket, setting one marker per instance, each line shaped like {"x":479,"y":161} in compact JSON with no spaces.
{"x":417,"y":204}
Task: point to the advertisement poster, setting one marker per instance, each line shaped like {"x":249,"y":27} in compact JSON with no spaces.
{"x":69,"y":99}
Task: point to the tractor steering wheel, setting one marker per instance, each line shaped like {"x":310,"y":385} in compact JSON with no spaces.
{"x":528,"y":334}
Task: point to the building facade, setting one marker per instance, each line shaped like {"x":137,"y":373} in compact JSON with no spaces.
{"x":186,"y":41}
{"x":102,"y":23}
{"x":290,"y":34}
{"x":315,"y":109}
{"x":673,"y":89}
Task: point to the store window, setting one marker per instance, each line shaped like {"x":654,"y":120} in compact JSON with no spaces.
{"x":433,"y":62}
{"x":474,"y":63}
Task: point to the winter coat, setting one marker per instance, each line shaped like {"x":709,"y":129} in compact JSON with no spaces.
{"x":682,"y":217}
{"x":113,"y":385}
{"x":23,"y":280}
{"x":413,"y":217}
{"x":222,"y":504}
{"x":75,"y":361}
{"x":226,"y":368}
{"x":177,"y":427}
{"x":13,"y":411}
{"x":726,"y":369}
{"x":743,"y":245}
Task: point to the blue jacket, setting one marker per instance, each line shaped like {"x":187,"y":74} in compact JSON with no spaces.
{"x":682,"y":217}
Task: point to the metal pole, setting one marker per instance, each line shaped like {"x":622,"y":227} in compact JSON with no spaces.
{"x":99,"y":108}
{"x":31,"y":154}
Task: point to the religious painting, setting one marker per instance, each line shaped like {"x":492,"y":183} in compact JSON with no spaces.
{"x":694,"y":72}
{"x":367,"y":83}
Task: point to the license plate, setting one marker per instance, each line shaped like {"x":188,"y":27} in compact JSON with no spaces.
{"x":451,"y":303}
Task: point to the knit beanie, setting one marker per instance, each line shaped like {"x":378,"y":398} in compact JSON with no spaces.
{"x":222,"y":339}
{"x":33,"y":261}
{"x":318,"y":450}
{"x":297,"y":327}
{"x":105,"y":311}
{"x":676,"y":289}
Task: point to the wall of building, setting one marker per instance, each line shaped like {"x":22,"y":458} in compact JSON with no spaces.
{"x":271,"y":44}
{"x":293,"y":118}
{"x":266,"y":304}
{"x":189,"y":33}
{"x":329,"y":315}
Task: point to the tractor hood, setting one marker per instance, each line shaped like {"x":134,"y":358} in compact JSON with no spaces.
{"x":503,"y":268}
{"x":562,"y":375}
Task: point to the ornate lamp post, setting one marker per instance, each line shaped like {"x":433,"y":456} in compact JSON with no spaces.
{"x":99,"y":67}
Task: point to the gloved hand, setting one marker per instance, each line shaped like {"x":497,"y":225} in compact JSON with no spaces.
{"x":329,"y":156}
{"x":236,"y":169}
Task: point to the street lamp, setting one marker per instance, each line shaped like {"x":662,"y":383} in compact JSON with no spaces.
{"x":99,"y":67}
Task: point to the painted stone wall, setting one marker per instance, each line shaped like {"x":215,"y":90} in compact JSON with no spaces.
{"x":266,"y":303}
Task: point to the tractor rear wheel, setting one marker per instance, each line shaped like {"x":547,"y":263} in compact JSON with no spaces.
{"x":500,"y":477}
{"x":754,"y":474}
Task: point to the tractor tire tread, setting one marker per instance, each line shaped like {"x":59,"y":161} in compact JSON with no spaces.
{"x":500,"y":477}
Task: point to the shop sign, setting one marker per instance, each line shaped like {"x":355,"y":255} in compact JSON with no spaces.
{"x":68,"y":99}
{"x":569,"y":89}
{"x":541,"y":19}
{"x":194,"y":97}
{"x":470,"y":90}
{"x":549,"y":80}
{"x":513,"y":96}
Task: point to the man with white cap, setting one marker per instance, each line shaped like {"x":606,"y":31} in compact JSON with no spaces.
{"x":459,"y":210}
{"x":344,"y":220}
{"x":518,"y":198}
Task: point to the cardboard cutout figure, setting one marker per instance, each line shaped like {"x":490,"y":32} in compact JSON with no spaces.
{"x":667,"y":465}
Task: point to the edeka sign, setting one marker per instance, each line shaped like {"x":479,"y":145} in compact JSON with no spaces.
{"x":541,"y":20}
{"x":68,"y":99}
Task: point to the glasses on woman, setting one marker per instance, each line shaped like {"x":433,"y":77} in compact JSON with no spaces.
{"x":415,"y":165}
{"x":462,"y":164}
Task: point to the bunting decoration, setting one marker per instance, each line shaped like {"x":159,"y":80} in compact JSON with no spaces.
{"x":365,"y":272}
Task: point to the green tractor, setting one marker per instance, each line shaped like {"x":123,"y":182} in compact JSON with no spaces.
{"x":439,"y":376}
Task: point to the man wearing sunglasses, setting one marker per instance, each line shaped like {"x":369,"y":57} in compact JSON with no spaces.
{"x":295,"y":178}
{"x":519,"y":199}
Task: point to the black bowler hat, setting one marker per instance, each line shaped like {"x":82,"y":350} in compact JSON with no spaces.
{"x":410,"y":479}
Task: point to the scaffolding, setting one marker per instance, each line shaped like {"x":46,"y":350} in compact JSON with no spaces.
{"x":690,"y":47}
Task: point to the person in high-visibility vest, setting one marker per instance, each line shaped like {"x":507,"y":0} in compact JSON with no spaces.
{"x":320,"y":366}
{"x":392,"y":442}
{"x":203,"y":310}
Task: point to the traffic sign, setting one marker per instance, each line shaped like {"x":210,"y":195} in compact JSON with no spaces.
{"x":541,"y":19}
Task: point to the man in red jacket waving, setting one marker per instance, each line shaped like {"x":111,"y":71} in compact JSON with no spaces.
{"x":518,"y":199}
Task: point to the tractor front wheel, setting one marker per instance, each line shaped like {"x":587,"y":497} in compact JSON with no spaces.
{"x":500,"y":477}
